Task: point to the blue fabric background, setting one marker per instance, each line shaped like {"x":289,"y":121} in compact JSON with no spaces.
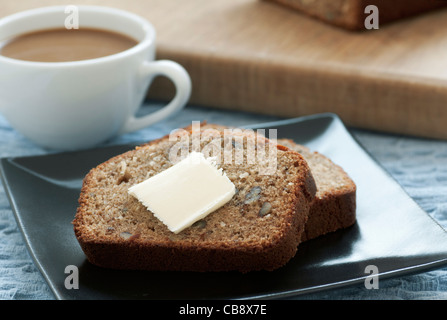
{"x":419,"y":165}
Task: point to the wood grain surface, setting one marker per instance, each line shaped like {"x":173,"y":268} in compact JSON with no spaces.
{"x":258,"y":56}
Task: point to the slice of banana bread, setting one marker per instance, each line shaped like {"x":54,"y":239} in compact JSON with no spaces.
{"x":260,"y":228}
{"x":334,"y":207}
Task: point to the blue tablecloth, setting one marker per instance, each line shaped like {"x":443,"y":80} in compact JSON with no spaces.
{"x":419,"y":165}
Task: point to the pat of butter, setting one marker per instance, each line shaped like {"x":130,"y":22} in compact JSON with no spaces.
{"x":185,"y":192}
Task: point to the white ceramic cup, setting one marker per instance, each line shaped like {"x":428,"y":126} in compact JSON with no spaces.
{"x":79,"y":104}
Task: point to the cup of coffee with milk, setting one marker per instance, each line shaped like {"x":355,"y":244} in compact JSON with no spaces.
{"x":69,"y":86}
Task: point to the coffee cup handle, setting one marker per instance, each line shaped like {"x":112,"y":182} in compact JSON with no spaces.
{"x":182,"y":82}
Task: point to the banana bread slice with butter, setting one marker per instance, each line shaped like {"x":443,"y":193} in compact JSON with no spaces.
{"x":260,"y":228}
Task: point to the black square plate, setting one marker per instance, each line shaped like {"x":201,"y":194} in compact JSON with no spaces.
{"x":392,"y":232}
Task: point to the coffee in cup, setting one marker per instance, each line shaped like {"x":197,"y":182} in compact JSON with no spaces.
{"x":64,"y":98}
{"x":62,"y":44}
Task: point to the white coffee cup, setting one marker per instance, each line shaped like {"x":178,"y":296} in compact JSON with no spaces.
{"x":79,"y":104}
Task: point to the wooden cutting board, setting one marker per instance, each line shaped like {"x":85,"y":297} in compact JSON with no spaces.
{"x":258,"y":56}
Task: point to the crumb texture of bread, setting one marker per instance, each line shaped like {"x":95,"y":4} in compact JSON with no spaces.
{"x":260,"y":228}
